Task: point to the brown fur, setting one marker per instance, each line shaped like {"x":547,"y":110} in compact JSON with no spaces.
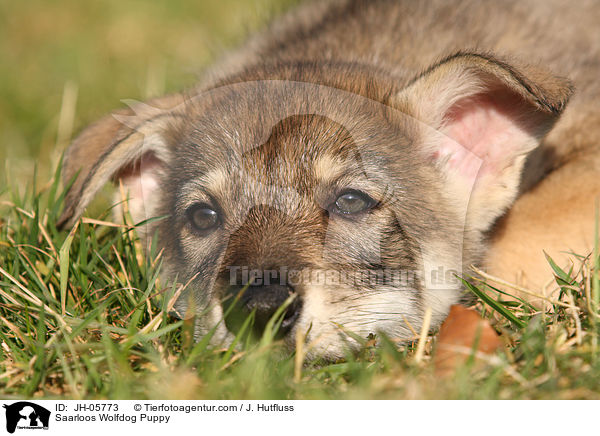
{"x":429,"y":107}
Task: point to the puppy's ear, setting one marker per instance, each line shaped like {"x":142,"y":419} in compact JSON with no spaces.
{"x":478,"y":119}
{"x":130,"y":145}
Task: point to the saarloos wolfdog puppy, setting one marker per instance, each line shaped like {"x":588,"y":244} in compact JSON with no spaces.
{"x":353,"y":160}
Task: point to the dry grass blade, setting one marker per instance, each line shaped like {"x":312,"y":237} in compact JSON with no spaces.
{"x":27,"y":295}
{"x":423,"y":337}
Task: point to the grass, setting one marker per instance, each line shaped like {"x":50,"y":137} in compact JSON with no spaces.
{"x":84,"y":315}
{"x":90,"y":55}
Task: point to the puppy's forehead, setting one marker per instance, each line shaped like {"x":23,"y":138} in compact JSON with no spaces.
{"x":299,"y":147}
{"x":257,"y":140}
{"x":300,"y":152}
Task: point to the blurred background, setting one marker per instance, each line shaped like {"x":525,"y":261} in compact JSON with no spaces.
{"x":64,"y":63}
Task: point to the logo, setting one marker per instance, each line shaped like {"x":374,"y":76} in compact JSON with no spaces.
{"x":26,"y":415}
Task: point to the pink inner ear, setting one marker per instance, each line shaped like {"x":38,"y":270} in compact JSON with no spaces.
{"x":484,"y":133}
{"x":141,"y":177}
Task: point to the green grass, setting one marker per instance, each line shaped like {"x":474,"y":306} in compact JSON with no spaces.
{"x":84,"y":315}
{"x":65,"y":63}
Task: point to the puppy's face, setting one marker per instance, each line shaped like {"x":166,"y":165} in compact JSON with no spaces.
{"x":324,"y":202}
{"x":352,"y":203}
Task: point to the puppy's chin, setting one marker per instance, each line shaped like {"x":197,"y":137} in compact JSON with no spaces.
{"x":334,"y":316}
{"x":331,"y":318}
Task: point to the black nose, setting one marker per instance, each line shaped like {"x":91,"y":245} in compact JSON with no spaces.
{"x":264,"y":300}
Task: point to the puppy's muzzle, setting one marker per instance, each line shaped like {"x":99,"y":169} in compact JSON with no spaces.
{"x":263,"y":300}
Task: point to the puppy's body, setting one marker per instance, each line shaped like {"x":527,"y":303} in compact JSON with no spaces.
{"x":428,"y":109}
{"x":404,"y":38}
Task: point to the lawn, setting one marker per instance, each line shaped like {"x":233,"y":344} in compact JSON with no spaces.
{"x":83,"y":314}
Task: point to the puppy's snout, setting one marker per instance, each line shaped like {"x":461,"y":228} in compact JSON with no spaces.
{"x":263,"y":300}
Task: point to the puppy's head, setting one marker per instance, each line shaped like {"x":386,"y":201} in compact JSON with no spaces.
{"x":353,"y":199}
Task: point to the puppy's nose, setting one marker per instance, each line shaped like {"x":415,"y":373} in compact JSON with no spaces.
{"x":264,"y":300}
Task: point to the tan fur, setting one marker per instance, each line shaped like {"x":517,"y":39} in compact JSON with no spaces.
{"x":558,"y":216}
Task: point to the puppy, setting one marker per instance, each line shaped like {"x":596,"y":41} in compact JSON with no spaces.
{"x":351,"y":161}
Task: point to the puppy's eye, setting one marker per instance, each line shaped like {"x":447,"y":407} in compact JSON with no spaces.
{"x":353,"y":202}
{"x":203,"y":217}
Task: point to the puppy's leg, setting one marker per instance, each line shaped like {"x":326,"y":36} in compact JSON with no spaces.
{"x":556,"y":216}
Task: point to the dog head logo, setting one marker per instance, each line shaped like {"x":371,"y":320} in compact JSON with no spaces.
{"x":27,"y":415}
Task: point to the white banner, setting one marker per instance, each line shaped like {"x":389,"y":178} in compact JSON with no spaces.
{"x":369,"y":418}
